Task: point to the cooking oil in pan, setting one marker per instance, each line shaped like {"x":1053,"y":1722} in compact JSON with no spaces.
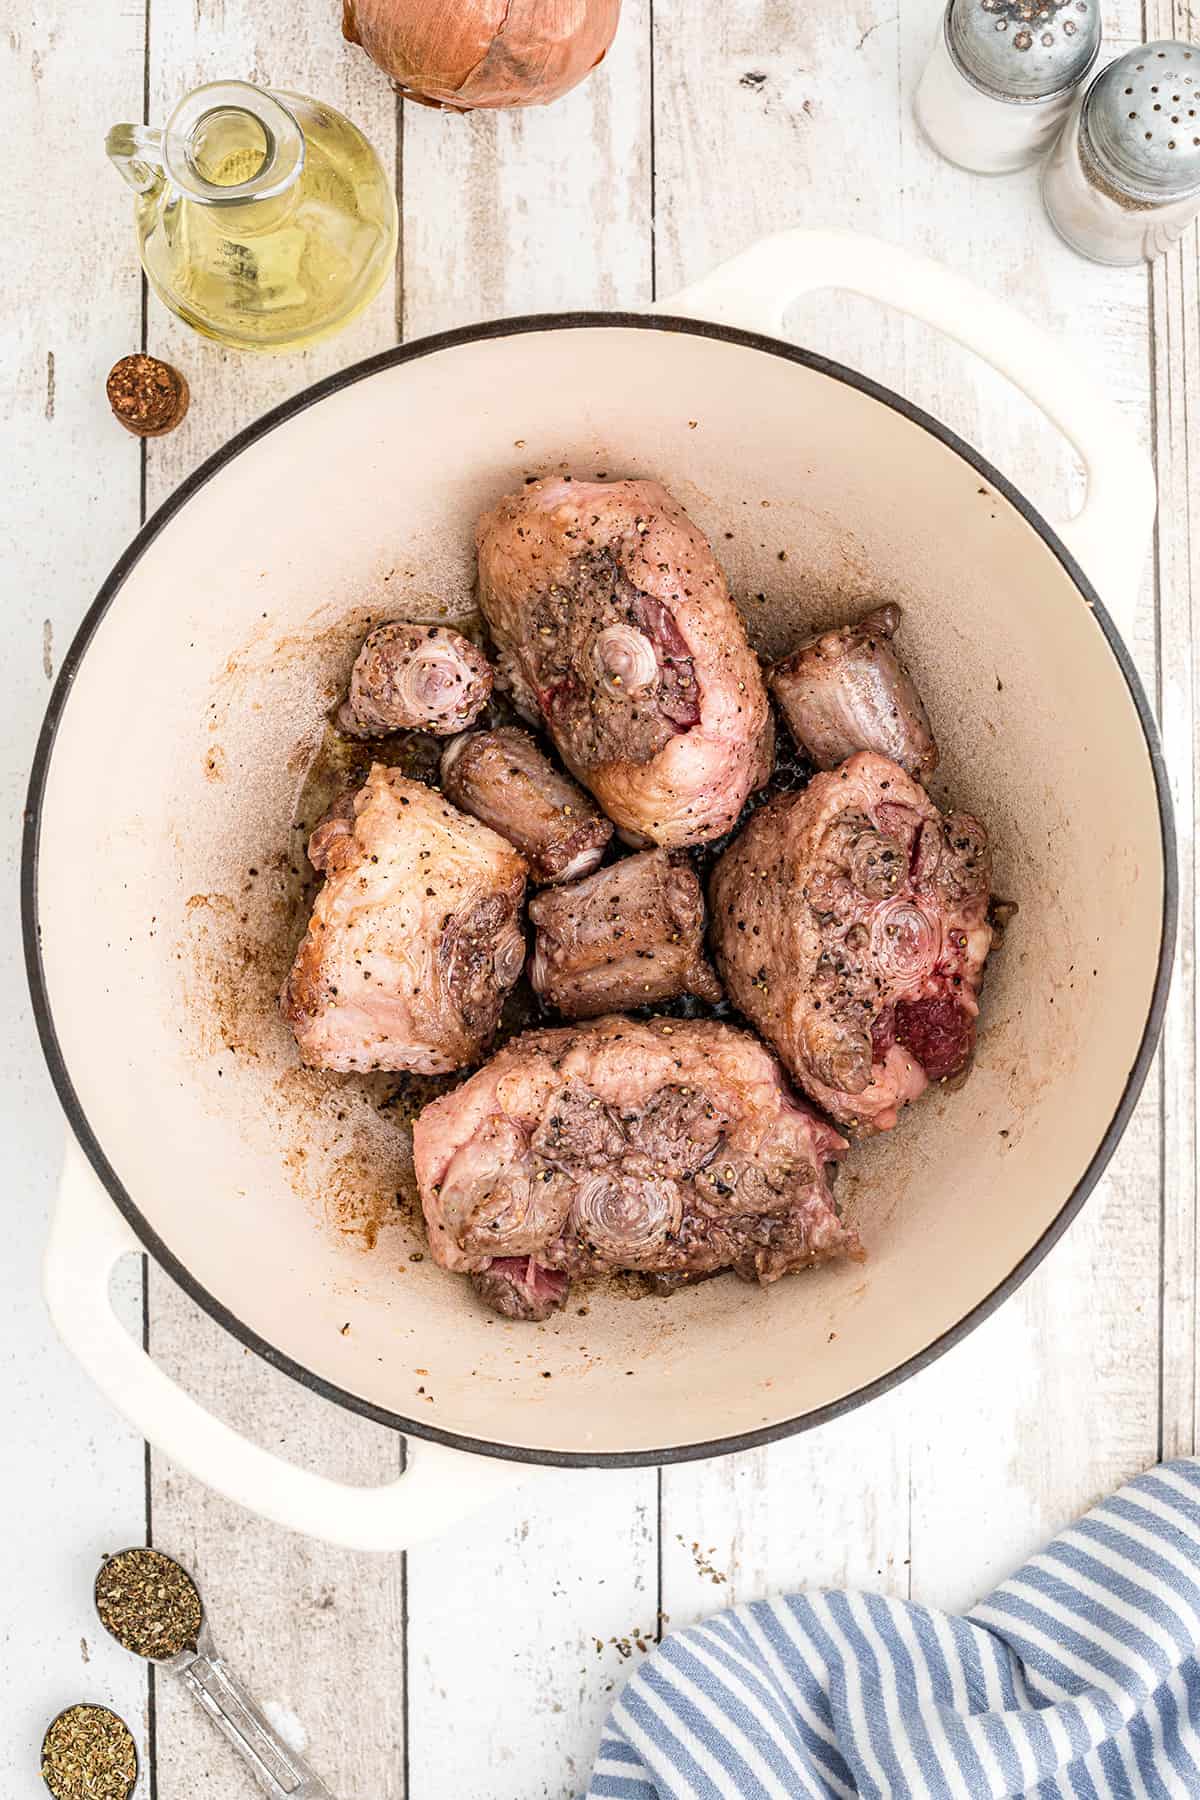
{"x":264,"y":220}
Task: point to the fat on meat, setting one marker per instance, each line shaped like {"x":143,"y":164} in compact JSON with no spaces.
{"x":850,"y":927}
{"x":674,"y":1148}
{"x":414,"y":937}
{"x":614,"y":627}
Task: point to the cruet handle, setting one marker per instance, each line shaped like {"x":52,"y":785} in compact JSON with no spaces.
{"x":137,"y":152}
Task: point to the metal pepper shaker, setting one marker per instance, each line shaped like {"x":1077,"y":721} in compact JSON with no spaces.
{"x":1001,"y":78}
{"x":1124,"y":178}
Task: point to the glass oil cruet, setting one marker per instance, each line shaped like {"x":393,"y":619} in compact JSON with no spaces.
{"x":265,"y":220}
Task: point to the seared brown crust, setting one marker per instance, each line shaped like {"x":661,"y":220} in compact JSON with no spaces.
{"x":502,"y":778}
{"x":847,"y":690}
{"x":849,"y":924}
{"x":414,"y":937}
{"x":614,"y":625}
{"x":669,"y":1147}
{"x":630,"y":935}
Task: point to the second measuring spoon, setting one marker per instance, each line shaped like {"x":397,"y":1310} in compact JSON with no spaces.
{"x":151,"y":1605}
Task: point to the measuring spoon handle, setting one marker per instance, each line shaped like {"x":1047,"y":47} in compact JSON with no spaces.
{"x":278,"y":1769}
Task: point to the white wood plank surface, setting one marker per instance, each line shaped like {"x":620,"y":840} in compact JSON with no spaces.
{"x":1175,"y":373}
{"x":1176,"y":351}
{"x":1070,"y":1329}
{"x":286,"y":1612}
{"x":508,"y":214}
{"x":484,"y":1670}
{"x":536,"y":210}
{"x":71,"y":1477}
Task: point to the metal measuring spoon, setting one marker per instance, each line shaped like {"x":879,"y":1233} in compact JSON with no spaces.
{"x":274,"y":1764}
{"x":52,"y":1747}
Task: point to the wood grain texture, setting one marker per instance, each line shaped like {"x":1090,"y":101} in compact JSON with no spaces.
{"x":316,"y":1633}
{"x":539,"y":1608}
{"x":1176,"y":350}
{"x":1175,"y":370}
{"x":71,"y":1482}
{"x":530,"y":211}
{"x":520,"y":1632}
{"x":828,"y":1509}
{"x":1055,"y":1399}
{"x":292,"y":1616}
{"x":707,"y":126}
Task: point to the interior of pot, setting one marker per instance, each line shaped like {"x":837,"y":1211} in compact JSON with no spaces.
{"x":168,"y":874}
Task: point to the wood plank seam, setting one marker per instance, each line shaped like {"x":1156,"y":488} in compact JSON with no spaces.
{"x":276,"y":1601}
{"x":744,"y":1484}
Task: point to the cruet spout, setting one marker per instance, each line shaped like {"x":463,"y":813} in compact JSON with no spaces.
{"x":226,"y":144}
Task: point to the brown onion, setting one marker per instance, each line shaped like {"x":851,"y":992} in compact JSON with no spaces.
{"x":477,"y":53}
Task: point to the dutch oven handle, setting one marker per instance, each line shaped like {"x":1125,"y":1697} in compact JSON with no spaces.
{"x":1110,"y":535}
{"x":88,"y":1237}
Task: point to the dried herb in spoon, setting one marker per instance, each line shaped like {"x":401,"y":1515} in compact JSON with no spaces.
{"x":148,"y":1603}
{"x":89,"y":1754}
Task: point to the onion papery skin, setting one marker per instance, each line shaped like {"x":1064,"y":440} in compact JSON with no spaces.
{"x":469,"y":54}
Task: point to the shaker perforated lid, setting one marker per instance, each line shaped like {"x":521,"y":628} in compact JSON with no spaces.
{"x":1142,"y":120}
{"x":1023,"y":49}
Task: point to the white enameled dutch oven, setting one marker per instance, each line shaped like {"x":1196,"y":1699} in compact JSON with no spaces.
{"x":157,"y":894}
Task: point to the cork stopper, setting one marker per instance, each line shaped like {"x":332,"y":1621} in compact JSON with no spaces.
{"x":148,"y":397}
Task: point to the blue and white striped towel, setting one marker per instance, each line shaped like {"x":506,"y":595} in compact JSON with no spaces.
{"x":1078,"y":1678}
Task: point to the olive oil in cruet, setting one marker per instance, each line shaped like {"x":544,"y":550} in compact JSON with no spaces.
{"x":265,"y":220}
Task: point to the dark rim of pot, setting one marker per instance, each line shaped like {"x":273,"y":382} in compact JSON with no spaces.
{"x":32,"y":936}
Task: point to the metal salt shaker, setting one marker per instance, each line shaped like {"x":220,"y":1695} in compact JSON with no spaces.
{"x":1124,"y":179}
{"x":1001,"y":78}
